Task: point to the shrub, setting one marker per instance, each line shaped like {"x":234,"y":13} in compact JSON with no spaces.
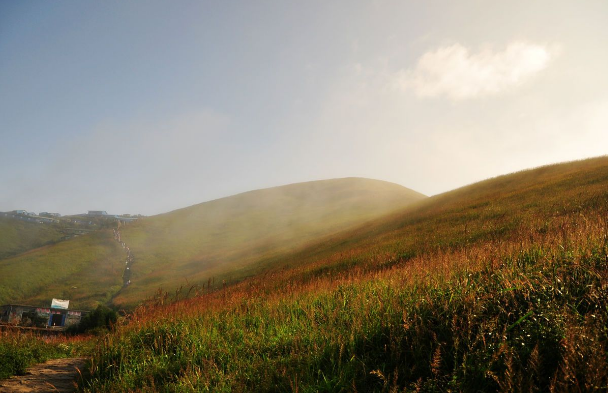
{"x":102,"y":318}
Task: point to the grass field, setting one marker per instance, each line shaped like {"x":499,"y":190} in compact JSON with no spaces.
{"x":17,"y":236}
{"x":87,"y":270}
{"x":498,"y":286}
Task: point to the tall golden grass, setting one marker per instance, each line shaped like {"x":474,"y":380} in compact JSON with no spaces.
{"x":500,"y":286}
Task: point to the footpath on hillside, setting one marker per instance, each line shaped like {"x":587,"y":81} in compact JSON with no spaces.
{"x":57,"y":375}
{"x":126,"y":277}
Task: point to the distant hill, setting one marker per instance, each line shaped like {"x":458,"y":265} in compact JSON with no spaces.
{"x":86,"y":270}
{"x":225,"y":239}
{"x":18,"y":236}
{"x":229,"y":238}
{"x":19,"y":233}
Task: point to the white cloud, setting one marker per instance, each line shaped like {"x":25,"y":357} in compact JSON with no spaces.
{"x":453,"y":72}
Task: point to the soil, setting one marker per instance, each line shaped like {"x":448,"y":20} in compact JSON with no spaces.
{"x":58,"y":375}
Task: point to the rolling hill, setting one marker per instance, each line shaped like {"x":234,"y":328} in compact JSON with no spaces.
{"x":231,"y":238}
{"x":86,"y":270}
{"x":18,"y":235}
{"x":497,"y":286}
{"x":491,"y":210}
{"x":225,"y":239}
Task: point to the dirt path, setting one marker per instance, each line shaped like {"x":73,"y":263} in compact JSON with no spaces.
{"x":58,"y":375}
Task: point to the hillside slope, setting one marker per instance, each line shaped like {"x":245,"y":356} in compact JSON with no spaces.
{"x":216,"y":239}
{"x":18,"y":236}
{"x":491,"y":210}
{"x":222,"y":239}
{"x":497,"y":286}
{"x":86,"y":270}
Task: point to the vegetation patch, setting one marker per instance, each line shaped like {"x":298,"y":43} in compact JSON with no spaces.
{"x":20,"y":350}
{"x":499,"y":286}
{"x":527,"y":314}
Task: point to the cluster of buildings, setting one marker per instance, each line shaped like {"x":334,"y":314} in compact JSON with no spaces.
{"x":31,"y":216}
{"x":122,"y":217}
{"x":56,"y":317}
{"x":46,"y":217}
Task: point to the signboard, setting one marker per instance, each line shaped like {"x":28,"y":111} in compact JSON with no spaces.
{"x":45,"y":312}
{"x":58,"y":303}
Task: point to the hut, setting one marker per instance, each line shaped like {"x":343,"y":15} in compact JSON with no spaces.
{"x":39,"y":317}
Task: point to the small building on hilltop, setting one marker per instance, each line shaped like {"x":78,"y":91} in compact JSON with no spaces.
{"x":124,"y":219}
{"x":97,"y":213}
{"x":39,"y":317}
{"x":47,"y":214}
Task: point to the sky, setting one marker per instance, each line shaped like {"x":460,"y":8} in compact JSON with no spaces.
{"x":148,"y":106}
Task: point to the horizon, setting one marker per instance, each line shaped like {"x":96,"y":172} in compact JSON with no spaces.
{"x":146,"y":107}
{"x":308,"y":181}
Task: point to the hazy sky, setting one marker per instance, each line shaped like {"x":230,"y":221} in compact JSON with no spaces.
{"x":148,"y":106}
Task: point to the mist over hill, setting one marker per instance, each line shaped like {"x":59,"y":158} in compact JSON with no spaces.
{"x":229,"y":239}
{"x":221,"y":240}
{"x":233,"y":237}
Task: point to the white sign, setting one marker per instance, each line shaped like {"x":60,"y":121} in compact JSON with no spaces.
{"x":58,"y":303}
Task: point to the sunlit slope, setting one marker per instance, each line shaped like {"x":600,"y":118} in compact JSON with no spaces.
{"x":497,"y":286}
{"x":86,"y":270}
{"x":17,"y":236}
{"x":493,"y":210}
{"x":222,"y":237}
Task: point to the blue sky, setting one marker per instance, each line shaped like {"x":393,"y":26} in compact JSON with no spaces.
{"x":148,"y":106}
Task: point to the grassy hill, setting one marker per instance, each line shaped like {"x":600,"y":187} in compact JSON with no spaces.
{"x":497,"y":286}
{"x":86,"y":269}
{"x":230,"y":238}
{"x":492,"y":210}
{"x":18,"y":236}
{"x":71,"y":258}
{"x":217,"y":239}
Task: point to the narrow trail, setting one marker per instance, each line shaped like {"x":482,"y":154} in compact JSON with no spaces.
{"x":57,"y":375}
{"x":127,"y":274}
{"x":126,"y":277}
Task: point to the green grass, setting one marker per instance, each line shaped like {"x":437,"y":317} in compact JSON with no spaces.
{"x":499,"y":286}
{"x":19,"y":350}
{"x":17,"y":236}
{"x":87,"y":270}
